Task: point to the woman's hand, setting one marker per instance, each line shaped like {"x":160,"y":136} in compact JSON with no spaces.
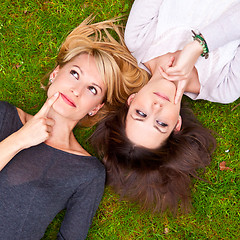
{"x":35,"y":131}
{"x":180,"y":68}
{"x":39,"y":127}
{"x":181,"y":85}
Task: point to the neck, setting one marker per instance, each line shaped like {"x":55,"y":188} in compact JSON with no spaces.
{"x":62,"y":132}
{"x":151,"y":65}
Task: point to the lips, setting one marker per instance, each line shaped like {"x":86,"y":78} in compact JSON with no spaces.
{"x":67,"y":100}
{"x":162,"y":96}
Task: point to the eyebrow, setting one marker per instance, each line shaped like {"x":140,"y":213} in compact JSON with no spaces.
{"x":94,"y":84}
{"x":79,"y":69}
{"x":142,"y":120}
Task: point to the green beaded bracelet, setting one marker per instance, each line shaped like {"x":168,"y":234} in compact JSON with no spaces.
{"x":199,"y":37}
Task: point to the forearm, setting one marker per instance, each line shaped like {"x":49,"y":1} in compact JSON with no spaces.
{"x":82,"y":206}
{"x":9,"y":147}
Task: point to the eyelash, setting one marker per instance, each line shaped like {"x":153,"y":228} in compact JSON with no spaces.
{"x":91,"y":88}
{"x":73,"y":72}
{"x":142,"y":114}
{"x":162,"y":124}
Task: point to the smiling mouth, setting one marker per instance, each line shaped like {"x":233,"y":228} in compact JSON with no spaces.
{"x":67,"y":100}
{"x":162,"y":96}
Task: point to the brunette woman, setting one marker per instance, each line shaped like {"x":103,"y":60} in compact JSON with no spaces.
{"x":153,"y":145}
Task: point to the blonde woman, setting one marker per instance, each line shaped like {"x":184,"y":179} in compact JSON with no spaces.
{"x":43,"y":167}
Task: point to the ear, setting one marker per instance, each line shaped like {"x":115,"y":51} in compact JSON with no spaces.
{"x":130,"y":98}
{"x":54,"y":72}
{"x":95,"y":110}
{"x":179,"y":124}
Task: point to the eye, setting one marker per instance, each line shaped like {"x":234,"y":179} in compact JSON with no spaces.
{"x":140,"y":113}
{"x":93,"y":90}
{"x":75,"y":74}
{"x":162,"y":124}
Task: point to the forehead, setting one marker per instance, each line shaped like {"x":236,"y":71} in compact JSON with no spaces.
{"x":84,"y":59}
{"x":87,"y":64}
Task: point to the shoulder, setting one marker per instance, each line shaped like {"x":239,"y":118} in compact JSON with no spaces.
{"x":95,"y":166}
{"x":89,"y":170}
{"x":7,"y":115}
{"x":6,"y":110}
{"x":82,"y":164}
{"x":4,"y":106}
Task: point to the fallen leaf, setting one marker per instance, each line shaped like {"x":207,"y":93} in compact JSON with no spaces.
{"x":18,"y":66}
{"x":222,"y":166}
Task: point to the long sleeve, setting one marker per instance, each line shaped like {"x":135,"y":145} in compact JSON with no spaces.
{"x":10,"y":143}
{"x":81,"y":208}
{"x":5,"y":112}
{"x":143,"y":18}
{"x":2,"y":114}
{"x":224,"y":29}
{"x":155,"y":28}
{"x":141,"y":25}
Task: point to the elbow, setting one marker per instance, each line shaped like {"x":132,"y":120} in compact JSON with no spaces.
{"x":130,"y":40}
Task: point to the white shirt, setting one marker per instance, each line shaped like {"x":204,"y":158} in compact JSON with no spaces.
{"x":156,"y":27}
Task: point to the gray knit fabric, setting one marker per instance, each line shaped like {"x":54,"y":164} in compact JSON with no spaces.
{"x":41,"y":181}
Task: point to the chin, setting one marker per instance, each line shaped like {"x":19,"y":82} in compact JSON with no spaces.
{"x":66,"y":112}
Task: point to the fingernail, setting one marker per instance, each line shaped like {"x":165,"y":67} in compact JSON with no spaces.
{"x":56,"y":94}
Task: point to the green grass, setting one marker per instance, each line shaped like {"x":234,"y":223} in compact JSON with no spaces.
{"x":30,"y":34}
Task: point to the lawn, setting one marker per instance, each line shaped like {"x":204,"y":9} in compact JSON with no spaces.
{"x":30,"y":35}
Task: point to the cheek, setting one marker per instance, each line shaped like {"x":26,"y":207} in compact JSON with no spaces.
{"x":138,"y":103}
{"x":49,"y":91}
{"x":52,"y":90}
{"x":56,"y":86}
{"x":86,"y":104}
{"x":93,"y":104}
{"x":173,"y":115}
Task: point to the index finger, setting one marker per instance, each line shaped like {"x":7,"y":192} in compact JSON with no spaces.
{"x":179,"y":92}
{"x":170,"y":78}
{"x":178,"y":97}
{"x":47,"y":105}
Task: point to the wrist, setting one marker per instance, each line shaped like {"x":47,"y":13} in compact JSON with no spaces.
{"x":18,"y":141}
{"x":198,"y":37}
{"x":198,"y":49}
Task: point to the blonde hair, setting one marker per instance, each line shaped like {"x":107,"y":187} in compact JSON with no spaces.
{"x":118,"y":68}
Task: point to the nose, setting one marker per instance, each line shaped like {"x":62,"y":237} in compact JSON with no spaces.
{"x":157,"y":104}
{"x":77,"y":91}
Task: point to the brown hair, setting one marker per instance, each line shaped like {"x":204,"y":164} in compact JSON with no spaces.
{"x":118,"y":68}
{"x":157,"y":178}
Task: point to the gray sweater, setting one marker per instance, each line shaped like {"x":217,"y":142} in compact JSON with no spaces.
{"x":41,"y":181}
